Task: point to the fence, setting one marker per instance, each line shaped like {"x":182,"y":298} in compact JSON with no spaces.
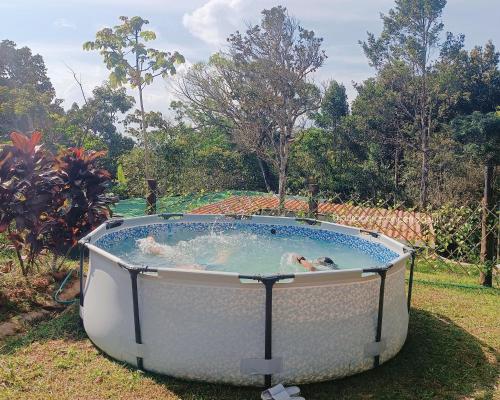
{"x":446,"y":237}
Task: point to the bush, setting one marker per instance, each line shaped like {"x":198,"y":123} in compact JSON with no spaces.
{"x":83,"y":202}
{"x":47,"y":202}
{"x":190,"y":163}
{"x":457,"y":232}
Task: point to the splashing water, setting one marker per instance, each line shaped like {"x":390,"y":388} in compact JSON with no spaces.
{"x":236,"y":251}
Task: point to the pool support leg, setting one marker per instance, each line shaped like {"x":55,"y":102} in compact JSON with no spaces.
{"x":410,"y":280}
{"x":378,"y":335}
{"x":137,"y":324}
{"x":268,"y":282}
{"x":268,"y":332}
{"x":82,"y":259}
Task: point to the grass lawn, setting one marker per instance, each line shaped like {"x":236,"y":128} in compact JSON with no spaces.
{"x":451,"y":353}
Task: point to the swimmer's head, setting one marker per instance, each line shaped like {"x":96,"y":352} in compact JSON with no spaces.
{"x":326,"y":261}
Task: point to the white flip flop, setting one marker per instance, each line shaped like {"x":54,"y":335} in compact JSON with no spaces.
{"x":279,"y":392}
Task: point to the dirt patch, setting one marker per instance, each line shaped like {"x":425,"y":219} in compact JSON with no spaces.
{"x":34,"y":316}
{"x":30,"y":300}
{"x":22,"y":322}
{"x":71,"y":290}
{"x":9,"y":328}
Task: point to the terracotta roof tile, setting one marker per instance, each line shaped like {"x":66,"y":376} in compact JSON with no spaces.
{"x":399,"y":224}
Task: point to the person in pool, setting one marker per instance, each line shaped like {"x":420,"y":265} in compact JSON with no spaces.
{"x":320,"y":264}
{"x":150,"y":246}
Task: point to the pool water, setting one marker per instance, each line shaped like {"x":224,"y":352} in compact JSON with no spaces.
{"x":245,"y":249}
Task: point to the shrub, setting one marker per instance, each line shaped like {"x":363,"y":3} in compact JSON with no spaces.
{"x":457,"y":232}
{"x":83,"y":203}
{"x":28,"y":187}
{"x":47,"y":202}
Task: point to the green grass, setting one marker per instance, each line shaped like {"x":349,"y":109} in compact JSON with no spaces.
{"x":451,"y":353}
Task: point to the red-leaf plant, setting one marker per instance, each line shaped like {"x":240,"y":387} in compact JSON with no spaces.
{"x":84,"y":203}
{"x":29,"y":186}
{"x":47,"y":202}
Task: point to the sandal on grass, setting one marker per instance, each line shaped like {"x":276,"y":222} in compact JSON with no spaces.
{"x":279,"y":392}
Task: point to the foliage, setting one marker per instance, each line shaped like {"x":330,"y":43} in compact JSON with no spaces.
{"x":93,"y":125}
{"x":85,"y":203}
{"x":187,"y":161}
{"x":481,"y":135}
{"x":29,"y":186}
{"x":27,"y":97}
{"x":131,"y":62}
{"x":333,"y":106}
{"x":456,"y":231}
{"x":48,"y":202}
{"x":120,"y":175}
{"x":408,"y":107}
{"x":130,"y":37}
{"x":410,"y":34}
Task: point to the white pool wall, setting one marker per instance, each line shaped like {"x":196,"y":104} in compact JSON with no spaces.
{"x":202,"y":325}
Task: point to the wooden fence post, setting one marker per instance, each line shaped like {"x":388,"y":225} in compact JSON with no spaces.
{"x":487,"y":254}
{"x":151,"y":197}
{"x":313,"y":189}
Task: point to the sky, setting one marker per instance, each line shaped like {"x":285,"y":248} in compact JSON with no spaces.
{"x":57,"y":29}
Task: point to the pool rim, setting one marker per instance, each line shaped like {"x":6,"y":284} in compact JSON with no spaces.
{"x":113,"y":225}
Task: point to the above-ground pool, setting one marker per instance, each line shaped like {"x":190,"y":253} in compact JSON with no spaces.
{"x":223,"y":300}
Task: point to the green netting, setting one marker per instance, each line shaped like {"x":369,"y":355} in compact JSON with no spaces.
{"x":174,"y":204}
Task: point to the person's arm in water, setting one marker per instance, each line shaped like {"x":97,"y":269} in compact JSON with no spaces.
{"x":306,"y":264}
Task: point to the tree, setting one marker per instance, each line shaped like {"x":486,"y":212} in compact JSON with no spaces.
{"x":481,"y":133}
{"x":217,"y":95}
{"x":27,"y":97}
{"x":380,"y":112}
{"x":333,"y":107}
{"x":470,"y":81}
{"x":93,"y":125}
{"x":261,"y":87}
{"x":483,"y":78}
{"x":410,"y":34}
{"x":131,"y":62}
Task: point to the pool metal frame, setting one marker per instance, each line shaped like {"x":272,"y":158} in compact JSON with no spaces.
{"x":268,"y":281}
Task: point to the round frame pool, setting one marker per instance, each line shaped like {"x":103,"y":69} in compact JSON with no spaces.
{"x":241,"y":329}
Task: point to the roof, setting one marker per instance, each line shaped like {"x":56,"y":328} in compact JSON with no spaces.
{"x":408,"y":226}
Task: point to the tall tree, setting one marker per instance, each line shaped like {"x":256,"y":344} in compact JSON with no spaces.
{"x":261,"y":86}
{"x":410,"y":33}
{"x":333,"y":106}
{"x":27,"y":97}
{"x":125,"y":53}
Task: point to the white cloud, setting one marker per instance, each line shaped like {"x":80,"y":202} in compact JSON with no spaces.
{"x":214,"y":20}
{"x":63,"y":23}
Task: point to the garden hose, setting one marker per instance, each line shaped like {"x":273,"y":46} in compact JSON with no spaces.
{"x":61,"y":288}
